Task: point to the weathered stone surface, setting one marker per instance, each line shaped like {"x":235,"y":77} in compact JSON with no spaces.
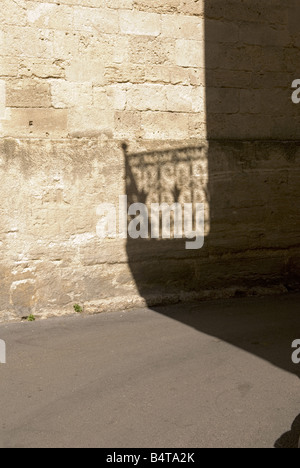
{"x":28,"y":93}
{"x":53,"y":258}
{"x":159,"y":6}
{"x":35,"y":122}
{"x":146,"y":97}
{"x":78,"y":78}
{"x":183,"y":27}
{"x":67,"y":94}
{"x":96,"y":20}
{"x":164,"y":126}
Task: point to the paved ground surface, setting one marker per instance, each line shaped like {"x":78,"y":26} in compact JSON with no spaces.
{"x":215,"y":374}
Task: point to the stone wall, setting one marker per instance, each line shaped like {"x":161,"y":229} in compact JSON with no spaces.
{"x":87,"y":68}
{"x":252,"y":58}
{"x":79,"y":78}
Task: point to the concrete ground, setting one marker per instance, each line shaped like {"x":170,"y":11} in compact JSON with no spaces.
{"x":216,"y":374}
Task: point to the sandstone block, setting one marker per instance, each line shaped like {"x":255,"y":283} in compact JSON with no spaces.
{"x":219,"y":10}
{"x":118,"y":96}
{"x":27,"y":93}
{"x":159,"y":6}
{"x":22,"y":294}
{"x":146,"y":97}
{"x":180,"y":75}
{"x":49,"y":15}
{"x":27,"y":42}
{"x":110,"y":97}
{"x":65,"y":45}
{"x":8,"y":66}
{"x":96,"y":20}
{"x":87,"y":121}
{"x":125,"y":74}
{"x":119,"y":4}
{"x":85,"y":3}
{"x":13,"y":13}
{"x":179,"y":98}
{"x":40,"y":68}
{"x":93,"y":46}
{"x":246,"y":58}
{"x":240,"y":126}
{"x":222,"y":100}
{"x":145,"y":50}
{"x":2,"y":98}
{"x":85,"y":70}
{"x":185,"y":99}
{"x":101,"y":100}
{"x":230,"y":78}
{"x":197,"y":76}
{"x":221,"y":31}
{"x":36,"y":123}
{"x":197,"y":125}
{"x":158,"y":74}
{"x":192,"y":7}
{"x":65,"y":94}
{"x":121,"y":50}
{"x":127,"y":125}
{"x":271,"y":80}
{"x":250,"y":101}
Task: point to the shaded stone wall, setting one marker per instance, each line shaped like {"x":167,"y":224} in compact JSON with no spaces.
{"x":80,"y":78}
